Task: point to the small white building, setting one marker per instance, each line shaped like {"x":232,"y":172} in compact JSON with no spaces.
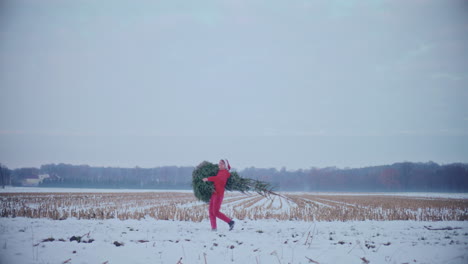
{"x":34,"y":180}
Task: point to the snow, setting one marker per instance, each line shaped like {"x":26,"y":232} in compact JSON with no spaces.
{"x":10,"y":189}
{"x":428,"y":195}
{"x":266,"y":241}
{"x":148,"y":240}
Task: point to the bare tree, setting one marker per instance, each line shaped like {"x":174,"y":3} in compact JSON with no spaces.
{"x":2,"y":176}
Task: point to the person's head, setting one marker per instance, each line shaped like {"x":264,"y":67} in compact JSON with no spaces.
{"x":222,"y":165}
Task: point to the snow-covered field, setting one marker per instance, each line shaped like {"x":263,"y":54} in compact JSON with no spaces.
{"x":10,"y":189}
{"x":278,"y":230}
{"x":25,"y":240}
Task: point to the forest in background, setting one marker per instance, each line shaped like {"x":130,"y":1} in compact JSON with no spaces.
{"x":397,"y":177}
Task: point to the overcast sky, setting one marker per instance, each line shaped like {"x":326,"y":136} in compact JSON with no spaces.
{"x":264,"y":83}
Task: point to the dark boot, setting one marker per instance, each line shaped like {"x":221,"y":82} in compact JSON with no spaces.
{"x":231,"y":225}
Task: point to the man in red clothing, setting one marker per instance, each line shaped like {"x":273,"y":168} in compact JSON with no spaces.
{"x":218,"y":194}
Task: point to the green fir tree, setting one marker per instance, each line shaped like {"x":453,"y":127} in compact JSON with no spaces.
{"x":203,"y":190}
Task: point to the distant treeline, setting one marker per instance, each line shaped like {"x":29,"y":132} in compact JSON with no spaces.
{"x":405,"y":176}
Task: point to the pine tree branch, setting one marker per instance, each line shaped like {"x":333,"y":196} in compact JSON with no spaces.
{"x":203,"y":190}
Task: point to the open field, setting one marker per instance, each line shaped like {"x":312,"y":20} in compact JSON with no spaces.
{"x":172,"y":227}
{"x":183,"y":206}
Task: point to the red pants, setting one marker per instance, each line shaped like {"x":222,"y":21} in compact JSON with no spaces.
{"x":215,"y":205}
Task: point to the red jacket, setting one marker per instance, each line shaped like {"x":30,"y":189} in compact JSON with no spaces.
{"x":220,"y":180}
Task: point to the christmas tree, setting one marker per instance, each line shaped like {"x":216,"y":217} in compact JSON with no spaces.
{"x":203,"y":190}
